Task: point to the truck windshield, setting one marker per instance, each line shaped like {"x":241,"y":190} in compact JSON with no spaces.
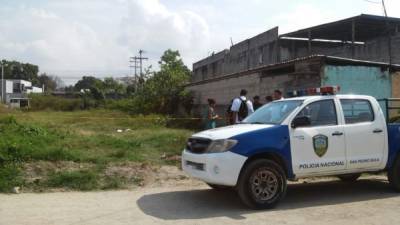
{"x":273,"y":113}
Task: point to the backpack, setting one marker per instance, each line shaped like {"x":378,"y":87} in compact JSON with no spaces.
{"x":243,"y":110}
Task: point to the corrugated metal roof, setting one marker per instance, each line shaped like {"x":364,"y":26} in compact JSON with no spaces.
{"x":366,"y":27}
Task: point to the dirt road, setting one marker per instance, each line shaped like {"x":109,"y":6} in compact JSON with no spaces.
{"x":326,"y":202}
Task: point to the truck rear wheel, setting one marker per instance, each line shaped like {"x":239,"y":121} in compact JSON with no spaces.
{"x":349,"y":177}
{"x":262,"y":184}
{"x":394,"y":175}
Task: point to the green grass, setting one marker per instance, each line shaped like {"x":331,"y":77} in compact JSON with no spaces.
{"x":10,"y":176}
{"x":83,"y":180}
{"x":85,"y":137}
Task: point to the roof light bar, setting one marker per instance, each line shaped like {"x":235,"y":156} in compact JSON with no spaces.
{"x":326,"y":90}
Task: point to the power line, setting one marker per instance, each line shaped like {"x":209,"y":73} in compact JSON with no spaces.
{"x":374,"y":2}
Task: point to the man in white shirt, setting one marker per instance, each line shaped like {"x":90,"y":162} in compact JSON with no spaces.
{"x":241,"y":107}
{"x":278,"y":114}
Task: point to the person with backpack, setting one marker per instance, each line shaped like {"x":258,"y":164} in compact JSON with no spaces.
{"x":241,"y":107}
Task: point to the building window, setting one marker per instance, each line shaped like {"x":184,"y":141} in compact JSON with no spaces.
{"x":204,"y":72}
{"x":260,"y":55}
{"x":214,"y":68}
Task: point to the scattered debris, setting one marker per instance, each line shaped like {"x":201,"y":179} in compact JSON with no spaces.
{"x":16,"y":190}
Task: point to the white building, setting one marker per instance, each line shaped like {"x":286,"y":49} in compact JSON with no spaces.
{"x":16,"y":92}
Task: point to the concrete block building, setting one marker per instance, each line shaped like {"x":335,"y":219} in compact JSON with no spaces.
{"x":361,"y":54}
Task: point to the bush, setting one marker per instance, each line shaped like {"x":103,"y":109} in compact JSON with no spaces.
{"x":10,"y":176}
{"x":77,"y":180}
{"x":125,"y":105}
{"x":49,"y":102}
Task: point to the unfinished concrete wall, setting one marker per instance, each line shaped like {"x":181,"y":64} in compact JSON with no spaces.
{"x":396,"y":85}
{"x":223,"y":91}
{"x":209,"y":67}
{"x":362,"y":80}
{"x":254,"y":52}
{"x":395,"y":94}
{"x":285,"y":78}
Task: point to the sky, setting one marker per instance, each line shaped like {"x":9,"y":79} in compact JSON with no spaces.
{"x":73,"y":38}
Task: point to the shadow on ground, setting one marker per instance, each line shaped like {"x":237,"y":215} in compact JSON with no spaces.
{"x":207,"y":203}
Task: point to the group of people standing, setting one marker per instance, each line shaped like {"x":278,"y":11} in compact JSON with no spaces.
{"x":239,"y":108}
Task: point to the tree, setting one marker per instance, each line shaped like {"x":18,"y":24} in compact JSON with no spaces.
{"x":113,"y":87}
{"x":163,"y":91}
{"x":21,"y":71}
{"x":50,"y":82}
{"x":88,"y":82}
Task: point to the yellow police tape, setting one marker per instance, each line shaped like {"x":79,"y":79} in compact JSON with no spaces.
{"x":130,"y":118}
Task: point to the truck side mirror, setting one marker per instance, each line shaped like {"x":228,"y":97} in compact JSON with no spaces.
{"x":302,"y":121}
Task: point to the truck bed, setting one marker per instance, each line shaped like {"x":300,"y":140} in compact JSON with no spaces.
{"x":394,"y":142}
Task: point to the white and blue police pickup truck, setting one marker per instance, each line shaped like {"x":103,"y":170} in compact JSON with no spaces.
{"x":336,"y":135}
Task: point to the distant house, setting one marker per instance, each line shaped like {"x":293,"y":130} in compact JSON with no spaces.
{"x":16,"y":92}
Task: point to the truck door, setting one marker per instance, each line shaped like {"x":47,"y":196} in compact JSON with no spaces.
{"x":318,"y":148}
{"x":364,"y":133}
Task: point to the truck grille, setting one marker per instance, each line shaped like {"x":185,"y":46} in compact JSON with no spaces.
{"x":197,"y":145}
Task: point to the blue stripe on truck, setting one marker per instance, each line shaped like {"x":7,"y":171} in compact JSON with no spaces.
{"x":273,"y":140}
{"x":394,"y":143}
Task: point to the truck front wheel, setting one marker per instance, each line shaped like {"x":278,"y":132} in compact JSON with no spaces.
{"x":262,"y":184}
{"x":394,"y":175}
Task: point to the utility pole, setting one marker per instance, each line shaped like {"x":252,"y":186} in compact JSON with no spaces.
{"x":138,"y":64}
{"x":2,"y":80}
{"x":384,"y":8}
{"x":134,"y":60}
{"x":141,"y":63}
{"x":388,"y":30}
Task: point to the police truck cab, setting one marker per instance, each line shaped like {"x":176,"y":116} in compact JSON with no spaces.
{"x":299,"y":137}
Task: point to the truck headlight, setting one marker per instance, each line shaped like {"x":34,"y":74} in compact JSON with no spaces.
{"x":224,"y":145}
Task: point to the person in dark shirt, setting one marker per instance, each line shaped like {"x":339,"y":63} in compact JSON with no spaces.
{"x":256,"y":102}
{"x":212,"y":116}
{"x":268,"y":99}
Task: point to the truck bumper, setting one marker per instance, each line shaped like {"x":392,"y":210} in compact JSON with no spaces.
{"x":216,"y":168}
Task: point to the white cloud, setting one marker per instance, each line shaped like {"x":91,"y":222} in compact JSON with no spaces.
{"x":151,"y":26}
{"x":74,"y":37}
{"x":65,"y":45}
{"x":302,"y":16}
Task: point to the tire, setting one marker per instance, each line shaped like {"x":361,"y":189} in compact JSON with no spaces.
{"x":219,"y":187}
{"x":394,"y":175}
{"x":349,"y":177}
{"x":262,"y":184}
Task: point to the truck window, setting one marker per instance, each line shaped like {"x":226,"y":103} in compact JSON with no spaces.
{"x":321,"y":113}
{"x":273,"y":113}
{"x":357,"y":111}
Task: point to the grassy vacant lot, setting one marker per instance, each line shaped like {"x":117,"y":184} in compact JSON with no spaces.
{"x":83,"y":150}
